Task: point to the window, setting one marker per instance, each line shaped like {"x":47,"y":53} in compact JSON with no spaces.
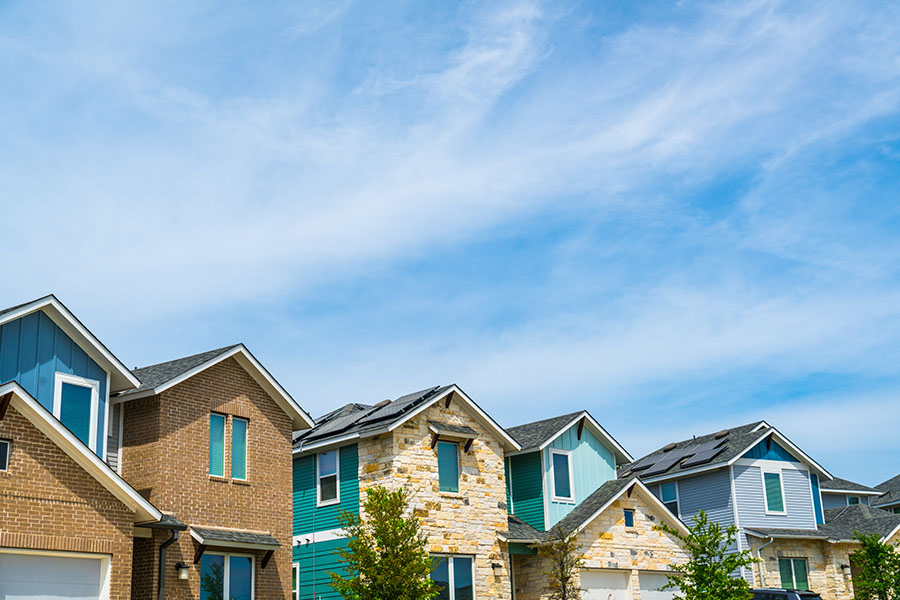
{"x":217,"y":445}
{"x":226,"y":576}
{"x":295,"y":585}
{"x":793,"y":573}
{"x":897,"y":510}
{"x":456,"y":576}
{"x":448,"y":466}
{"x":238,"y":448}
{"x":629,"y":518}
{"x":75,"y":404}
{"x":328,"y":478}
{"x":5,"y":447}
{"x":669,"y":494}
{"x":851,"y":500}
{"x":774,"y":492}
{"x":561,"y":474}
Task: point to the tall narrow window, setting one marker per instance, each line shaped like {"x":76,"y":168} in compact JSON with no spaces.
{"x":455,"y":576}
{"x":238,"y":448}
{"x":5,"y":447}
{"x":448,"y":466}
{"x":629,"y":517}
{"x":669,"y":493}
{"x":295,"y":582}
{"x":217,"y":445}
{"x":794,"y":573}
{"x":561,"y":473}
{"x":774,"y":493}
{"x":75,"y":404}
{"x":328,"y":468}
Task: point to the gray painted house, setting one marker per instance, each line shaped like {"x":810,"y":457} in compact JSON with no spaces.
{"x":839,"y":493}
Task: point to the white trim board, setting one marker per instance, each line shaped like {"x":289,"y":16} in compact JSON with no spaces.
{"x":315,"y":537}
{"x":92,"y":384}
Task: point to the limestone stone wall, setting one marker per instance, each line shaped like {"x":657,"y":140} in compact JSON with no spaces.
{"x":824,"y":562}
{"x":607,"y":544}
{"x":465,"y":523}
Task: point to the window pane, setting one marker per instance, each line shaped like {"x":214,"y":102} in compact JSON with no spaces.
{"x":75,"y":410}
{"x":212,"y":577}
{"x":217,"y":445}
{"x":448,"y":466}
{"x":774,"y":500}
{"x":462,"y":578}
{"x":239,"y":448}
{"x":561,"y":487}
{"x":240,"y":578}
{"x":629,"y":518}
{"x":328,"y":488}
{"x":673,"y":507}
{"x":4,"y":455}
{"x":801,"y":581}
{"x":441,"y":574}
{"x":787,"y":575}
{"x":328,"y":463}
{"x":668,"y":492}
{"x":852,"y":500}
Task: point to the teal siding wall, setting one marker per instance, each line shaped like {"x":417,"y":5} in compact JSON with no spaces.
{"x":316,"y":561}
{"x":33,"y":349}
{"x":308,"y":517}
{"x":774,"y":452}
{"x":593,"y":464}
{"x":527,"y":488}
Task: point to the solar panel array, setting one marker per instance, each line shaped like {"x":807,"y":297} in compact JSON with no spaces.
{"x":699,"y":454}
{"x":702,"y":458}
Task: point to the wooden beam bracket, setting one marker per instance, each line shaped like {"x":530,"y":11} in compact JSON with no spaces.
{"x":199,"y":553}
{"x":4,"y":404}
{"x":267,"y":558}
{"x":581,"y":427}
{"x":468,"y":445}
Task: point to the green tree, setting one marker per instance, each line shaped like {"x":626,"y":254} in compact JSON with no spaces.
{"x":877,"y":569}
{"x":565,"y":565}
{"x":386,"y":557}
{"x":709,"y":574}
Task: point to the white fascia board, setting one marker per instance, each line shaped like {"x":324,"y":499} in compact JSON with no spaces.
{"x":850,"y":492}
{"x":886,"y":538}
{"x":781,"y":439}
{"x":648,"y":495}
{"x":122,"y":377}
{"x":480,"y":414}
{"x":598,"y":429}
{"x":786,"y":536}
{"x":47,"y":424}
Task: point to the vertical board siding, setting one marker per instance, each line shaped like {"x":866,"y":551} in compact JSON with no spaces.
{"x":308,"y":517}
{"x":112,"y":440}
{"x":751,"y":499}
{"x":773,"y":452}
{"x":33,"y":349}
{"x":316,"y":562}
{"x":593,"y":464}
{"x":527,"y":488}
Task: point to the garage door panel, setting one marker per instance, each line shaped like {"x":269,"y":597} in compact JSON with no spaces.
{"x":42,"y":577}
{"x":606,"y":585}
{"x":650,"y":585}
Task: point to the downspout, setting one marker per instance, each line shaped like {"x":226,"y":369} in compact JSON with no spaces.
{"x":762,"y":570}
{"x":162,"y":563}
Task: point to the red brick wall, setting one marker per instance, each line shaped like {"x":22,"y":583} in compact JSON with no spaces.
{"x":48,"y":502}
{"x":166,"y":451}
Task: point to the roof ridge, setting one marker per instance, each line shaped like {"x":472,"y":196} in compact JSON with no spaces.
{"x":195,"y":355}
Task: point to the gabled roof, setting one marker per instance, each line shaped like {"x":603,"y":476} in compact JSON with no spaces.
{"x":120,"y":378}
{"x":540,"y":434}
{"x":721,"y":449}
{"x":355,"y":421}
{"x":50,"y":426}
{"x":163,"y":376}
{"x":891,"y":491}
{"x":841,"y":524}
{"x":843,"y":486}
{"x":522,"y":532}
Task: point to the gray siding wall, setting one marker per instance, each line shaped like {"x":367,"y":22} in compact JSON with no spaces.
{"x":710,"y":492}
{"x":751,"y":500}
{"x":839,"y":500}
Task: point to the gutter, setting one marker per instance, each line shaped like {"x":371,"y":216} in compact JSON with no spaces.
{"x":162,"y":562}
{"x":762,"y":570}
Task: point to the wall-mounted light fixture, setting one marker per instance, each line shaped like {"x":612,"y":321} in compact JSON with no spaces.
{"x":498,"y":569}
{"x":845,"y":567}
{"x":183,"y":570}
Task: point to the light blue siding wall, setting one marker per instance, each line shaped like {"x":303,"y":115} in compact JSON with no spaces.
{"x":593,"y":464}
{"x":751,"y":499}
{"x":33,"y":349}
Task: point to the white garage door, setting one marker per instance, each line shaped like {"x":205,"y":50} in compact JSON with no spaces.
{"x":650,"y":584}
{"x":606,"y":585}
{"x":43,"y":577}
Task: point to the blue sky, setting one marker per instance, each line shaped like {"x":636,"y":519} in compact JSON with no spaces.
{"x":678,"y":215}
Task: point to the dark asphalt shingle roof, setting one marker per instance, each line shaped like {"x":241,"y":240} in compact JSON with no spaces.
{"x":520,"y":531}
{"x":532,"y":435}
{"x":18,"y":306}
{"x":891,"y":489}
{"x":592,"y":504}
{"x":447,"y":427}
{"x":158,"y":374}
{"x":222,"y":537}
{"x":842,"y":524}
{"x":844,"y":485}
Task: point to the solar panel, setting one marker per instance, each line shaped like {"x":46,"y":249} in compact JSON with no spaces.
{"x":664,"y":464}
{"x":397,"y":407}
{"x":644,"y":463}
{"x":701,"y":458}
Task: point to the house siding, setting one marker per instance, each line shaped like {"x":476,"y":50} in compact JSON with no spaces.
{"x":839,"y":500}
{"x":317,"y":562}
{"x":710,"y":492}
{"x":750,"y":498}
{"x":527,"y":488}
{"x":33,"y":349}
{"x":766,"y":450}
{"x":309,"y":518}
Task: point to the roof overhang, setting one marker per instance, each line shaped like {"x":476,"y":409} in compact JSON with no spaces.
{"x":227,"y":538}
{"x":47,"y":424}
{"x":621,"y":455}
{"x":120,"y":378}
{"x":636,"y":485}
{"x":299,"y":417}
{"x":850,"y":492}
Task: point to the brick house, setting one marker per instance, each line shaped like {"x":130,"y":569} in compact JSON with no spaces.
{"x":172,"y":481}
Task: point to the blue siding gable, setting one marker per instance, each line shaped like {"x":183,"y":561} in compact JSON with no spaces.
{"x":770,"y":450}
{"x":33,"y":349}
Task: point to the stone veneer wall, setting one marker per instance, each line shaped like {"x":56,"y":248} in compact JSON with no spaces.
{"x":454,"y":523}
{"x":824,"y":560}
{"x":607,"y":544}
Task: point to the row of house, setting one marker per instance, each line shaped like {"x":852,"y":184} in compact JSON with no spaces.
{"x":202,"y":478}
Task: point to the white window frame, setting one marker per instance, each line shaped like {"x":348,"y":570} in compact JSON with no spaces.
{"x":556,"y":498}
{"x":451,"y":584}
{"x":295,"y":591}
{"x":677,"y":497}
{"x":94,"y":386}
{"x":762,"y":475}
{"x":226,"y":576}
{"x":337,"y":476}
{"x":793,"y":571}
{"x":858,"y":500}
{"x":246,"y":449}
{"x":5,"y":467}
